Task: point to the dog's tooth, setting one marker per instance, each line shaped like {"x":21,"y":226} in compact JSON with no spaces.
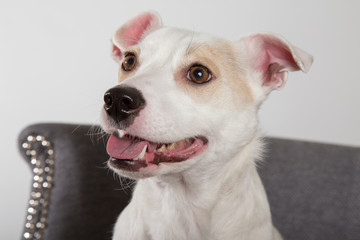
{"x":181,"y":143}
{"x":172,"y":146}
{"x":175,"y":145}
{"x":121,"y":133}
{"x":162,"y":148}
{"x":142,"y":154}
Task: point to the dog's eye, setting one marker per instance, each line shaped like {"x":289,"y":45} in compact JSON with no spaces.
{"x":199,"y":74}
{"x":129,"y":62}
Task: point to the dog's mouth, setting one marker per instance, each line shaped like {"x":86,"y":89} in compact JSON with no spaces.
{"x":131,"y":153}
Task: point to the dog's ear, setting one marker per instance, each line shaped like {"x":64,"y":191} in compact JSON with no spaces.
{"x":272,"y":56}
{"x":133,"y":31}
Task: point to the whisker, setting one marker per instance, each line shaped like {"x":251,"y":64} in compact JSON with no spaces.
{"x":98,"y":132}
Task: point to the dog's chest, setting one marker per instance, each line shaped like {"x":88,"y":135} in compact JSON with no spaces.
{"x":172,"y":213}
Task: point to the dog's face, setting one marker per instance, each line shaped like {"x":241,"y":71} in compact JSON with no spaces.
{"x":187,"y":100}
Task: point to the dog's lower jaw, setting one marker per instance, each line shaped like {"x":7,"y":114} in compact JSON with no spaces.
{"x":228,"y":204}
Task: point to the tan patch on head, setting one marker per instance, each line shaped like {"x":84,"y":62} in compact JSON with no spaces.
{"x":122,"y":75}
{"x":228,"y":86}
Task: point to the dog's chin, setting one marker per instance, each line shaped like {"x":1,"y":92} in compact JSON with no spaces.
{"x":135,"y":157}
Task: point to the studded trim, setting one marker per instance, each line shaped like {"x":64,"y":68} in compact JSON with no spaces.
{"x":41,"y":155}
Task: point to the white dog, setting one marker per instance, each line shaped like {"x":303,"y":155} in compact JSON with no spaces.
{"x":183,"y":121}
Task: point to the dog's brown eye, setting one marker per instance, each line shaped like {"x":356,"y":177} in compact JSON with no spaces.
{"x":129,"y":62}
{"x":199,"y":74}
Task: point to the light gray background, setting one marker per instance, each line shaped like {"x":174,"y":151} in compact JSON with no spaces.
{"x":55,"y":66}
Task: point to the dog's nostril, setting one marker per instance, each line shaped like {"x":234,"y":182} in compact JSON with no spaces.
{"x":108,"y":101}
{"x":128,"y":103}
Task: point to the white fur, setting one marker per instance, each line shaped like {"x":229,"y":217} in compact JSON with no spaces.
{"x":216,"y":195}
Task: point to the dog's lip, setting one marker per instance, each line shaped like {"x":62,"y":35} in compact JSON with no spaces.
{"x":132,"y":153}
{"x":128,"y":165}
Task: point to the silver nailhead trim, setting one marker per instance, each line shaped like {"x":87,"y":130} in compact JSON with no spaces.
{"x":41,"y":188}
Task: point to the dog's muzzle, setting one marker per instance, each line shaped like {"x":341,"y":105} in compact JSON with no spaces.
{"x":123,"y":104}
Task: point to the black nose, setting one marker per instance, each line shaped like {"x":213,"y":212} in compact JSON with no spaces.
{"x":123,"y":102}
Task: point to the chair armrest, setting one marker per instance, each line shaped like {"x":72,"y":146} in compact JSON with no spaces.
{"x":74,"y":195}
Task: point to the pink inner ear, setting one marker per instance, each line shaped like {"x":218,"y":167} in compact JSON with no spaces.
{"x":276,"y":52}
{"x":134,"y":32}
{"x":116,"y":53}
{"x":275,"y":58}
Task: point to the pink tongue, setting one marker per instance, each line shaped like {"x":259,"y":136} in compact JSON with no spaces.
{"x":124,"y":148}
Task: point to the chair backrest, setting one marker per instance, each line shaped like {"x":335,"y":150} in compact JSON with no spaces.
{"x":313,"y":188}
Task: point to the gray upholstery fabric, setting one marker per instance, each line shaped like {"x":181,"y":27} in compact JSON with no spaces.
{"x":313,"y":188}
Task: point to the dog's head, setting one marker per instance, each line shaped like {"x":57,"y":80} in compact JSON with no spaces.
{"x":187,"y":99}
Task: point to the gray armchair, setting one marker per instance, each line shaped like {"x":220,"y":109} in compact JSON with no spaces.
{"x":313,"y":188}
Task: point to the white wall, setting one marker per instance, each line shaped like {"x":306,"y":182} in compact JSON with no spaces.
{"x":55,"y":66}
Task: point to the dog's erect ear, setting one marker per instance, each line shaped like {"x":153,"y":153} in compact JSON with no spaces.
{"x":133,"y":31}
{"x":273,"y":57}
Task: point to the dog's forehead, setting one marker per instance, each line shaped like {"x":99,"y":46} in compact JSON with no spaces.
{"x":168,"y":42}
